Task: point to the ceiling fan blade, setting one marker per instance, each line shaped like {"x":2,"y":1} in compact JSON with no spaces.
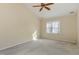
{"x":49,"y":4}
{"x":41,"y":9}
{"x":36,"y":6}
{"x":42,"y":4}
{"x":47,"y":8}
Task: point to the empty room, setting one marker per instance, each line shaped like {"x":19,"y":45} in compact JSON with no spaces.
{"x":39,"y":28}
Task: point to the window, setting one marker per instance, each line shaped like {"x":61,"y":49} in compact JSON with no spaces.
{"x":53,"y":27}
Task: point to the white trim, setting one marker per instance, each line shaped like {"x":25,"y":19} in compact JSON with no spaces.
{"x":15,"y":45}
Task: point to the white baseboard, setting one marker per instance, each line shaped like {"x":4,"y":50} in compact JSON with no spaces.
{"x":74,"y":42}
{"x":15,"y":45}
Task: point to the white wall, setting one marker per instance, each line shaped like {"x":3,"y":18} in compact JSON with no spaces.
{"x":67,"y":29}
{"x":17,"y":25}
{"x":78,"y":27}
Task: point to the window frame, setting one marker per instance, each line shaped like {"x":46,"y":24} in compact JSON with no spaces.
{"x":51,"y":23}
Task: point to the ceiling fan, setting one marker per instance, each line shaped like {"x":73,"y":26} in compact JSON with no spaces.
{"x":44,"y":5}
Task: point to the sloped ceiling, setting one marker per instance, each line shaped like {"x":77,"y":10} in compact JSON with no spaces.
{"x":58,"y":9}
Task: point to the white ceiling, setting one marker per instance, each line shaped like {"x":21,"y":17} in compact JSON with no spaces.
{"x":58,"y":9}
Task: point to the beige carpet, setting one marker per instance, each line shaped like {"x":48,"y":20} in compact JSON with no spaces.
{"x":42,"y":47}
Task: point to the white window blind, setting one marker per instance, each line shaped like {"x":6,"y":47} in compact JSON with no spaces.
{"x":53,"y":27}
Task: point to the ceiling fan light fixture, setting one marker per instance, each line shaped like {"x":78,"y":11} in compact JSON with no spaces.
{"x":44,"y":5}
